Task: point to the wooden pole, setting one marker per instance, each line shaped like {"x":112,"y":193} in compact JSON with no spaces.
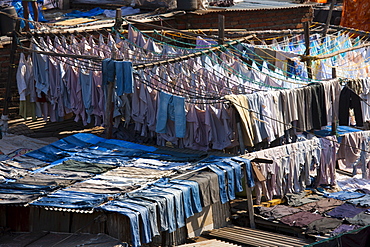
{"x":306,"y":26}
{"x":334,"y":116}
{"x":119,"y":21}
{"x":249,"y":199}
{"x":329,"y":18}
{"x":221,"y":29}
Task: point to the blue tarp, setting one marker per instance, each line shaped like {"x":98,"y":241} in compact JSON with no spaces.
{"x":90,"y":13}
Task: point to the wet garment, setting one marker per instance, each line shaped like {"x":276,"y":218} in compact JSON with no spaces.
{"x":299,"y":199}
{"x":343,"y":228}
{"x":362,"y":201}
{"x":300,"y":219}
{"x":74,"y":165}
{"x":278,"y":211}
{"x":344,"y":195}
{"x":349,"y":100}
{"x":322,"y":226}
{"x":345,"y":211}
{"x":362,"y":219}
{"x":322,"y":206}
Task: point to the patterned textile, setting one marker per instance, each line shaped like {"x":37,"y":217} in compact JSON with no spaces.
{"x":356,"y":14}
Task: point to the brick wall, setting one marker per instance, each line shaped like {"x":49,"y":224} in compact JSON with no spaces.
{"x":4,"y":71}
{"x":289,"y":18}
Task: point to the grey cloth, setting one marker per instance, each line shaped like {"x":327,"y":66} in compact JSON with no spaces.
{"x":363,"y":201}
{"x":362,"y":219}
{"x":300,"y":219}
{"x":208,"y":185}
{"x":278,"y":211}
{"x":74,"y":165}
{"x":322,"y":226}
{"x":322,"y":206}
{"x":299,"y":199}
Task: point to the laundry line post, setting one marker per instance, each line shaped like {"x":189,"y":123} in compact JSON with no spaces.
{"x":109,"y":105}
{"x":118,"y":21}
{"x":248,"y":191}
{"x":328,"y":19}
{"x":306,"y":26}
{"x":221,"y":29}
{"x":334,"y":116}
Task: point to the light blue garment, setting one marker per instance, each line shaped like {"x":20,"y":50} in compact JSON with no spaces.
{"x":194,"y":188}
{"x":179,"y":204}
{"x":134,"y":221}
{"x":170,"y":204}
{"x":186,"y":195}
{"x":230,"y":178}
{"x":124,"y":77}
{"x":171,"y":107}
{"x":85,"y":80}
{"x":162,"y":206}
{"x":248,"y":165}
{"x":221,"y":181}
{"x":344,"y":195}
{"x":144,"y":214}
{"x":238,"y":174}
{"x":40,"y":72}
{"x":152,"y":210}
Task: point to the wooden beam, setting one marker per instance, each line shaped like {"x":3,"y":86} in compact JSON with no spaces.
{"x":221,"y":29}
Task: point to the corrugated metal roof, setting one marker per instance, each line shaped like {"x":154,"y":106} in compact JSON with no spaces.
{"x":58,"y":239}
{"x":255,"y":237}
{"x":209,"y":243}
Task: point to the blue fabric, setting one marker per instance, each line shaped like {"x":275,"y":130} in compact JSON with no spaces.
{"x":124,"y":79}
{"x":186,"y":194}
{"x":194,"y":188}
{"x":344,"y":195}
{"x":47,"y":153}
{"x":134,"y":221}
{"x":179,"y":204}
{"x":71,"y":199}
{"x":86,"y":82}
{"x":238,"y":174}
{"x":221,"y":181}
{"x":152,"y":210}
{"x":171,"y":107}
{"x":230,"y":178}
{"x":144,"y":214}
{"x":132,"y":145}
{"x":40,"y":72}
{"x":248,"y":166}
{"x":90,"y":13}
{"x":162,"y":206}
{"x":108,"y":71}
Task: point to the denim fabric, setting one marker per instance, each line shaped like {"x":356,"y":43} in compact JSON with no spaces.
{"x":186,"y":194}
{"x":71,"y":199}
{"x":179,"y":204}
{"x":248,"y":165}
{"x":47,"y":153}
{"x":134,"y":221}
{"x":194,"y":188}
{"x":125,"y":79}
{"x":171,"y":107}
{"x":108,"y":71}
{"x":230,"y":178}
{"x":221,"y":181}
{"x":162,"y":206}
{"x":144,"y":214}
{"x":238,"y":174}
{"x":170,"y":201}
{"x":152,"y":210}
{"x":344,"y":195}
{"x":65,"y":146}
{"x":362,"y":201}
